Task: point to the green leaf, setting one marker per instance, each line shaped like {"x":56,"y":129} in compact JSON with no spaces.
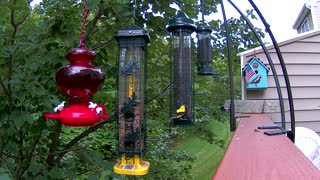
{"x":14,"y":7}
{"x":55,"y":173}
{"x":20,"y":118}
{"x":39,"y":91}
{"x":35,"y":168}
{"x":93,"y":3}
{"x":93,"y":176}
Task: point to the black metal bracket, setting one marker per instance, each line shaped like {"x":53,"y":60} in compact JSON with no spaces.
{"x":275,"y":132}
{"x":272,"y":126}
{"x":278,"y":130}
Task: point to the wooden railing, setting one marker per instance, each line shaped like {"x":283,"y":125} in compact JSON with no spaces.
{"x":252,"y":155}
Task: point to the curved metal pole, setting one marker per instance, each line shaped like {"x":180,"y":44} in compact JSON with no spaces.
{"x":284,"y":70}
{"x":232,"y":118}
{"x":276,"y":79}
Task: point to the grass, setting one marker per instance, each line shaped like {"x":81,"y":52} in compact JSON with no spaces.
{"x":208,"y":155}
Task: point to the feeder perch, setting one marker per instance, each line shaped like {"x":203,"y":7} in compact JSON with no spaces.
{"x":79,"y":81}
{"x":132,"y":42}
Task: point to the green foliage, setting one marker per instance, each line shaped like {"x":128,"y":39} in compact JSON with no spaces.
{"x":33,"y":45}
{"x":208,"y":153}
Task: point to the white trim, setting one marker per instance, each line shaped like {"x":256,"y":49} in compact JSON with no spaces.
{"x":314,"y":17}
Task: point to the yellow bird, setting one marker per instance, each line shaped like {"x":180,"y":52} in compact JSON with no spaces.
{"x":182,"y":109}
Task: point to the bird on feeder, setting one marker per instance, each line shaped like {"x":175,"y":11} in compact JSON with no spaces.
{"x":181,"y":112}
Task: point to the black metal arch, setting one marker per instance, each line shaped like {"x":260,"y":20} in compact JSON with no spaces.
{"x":291,"y":133}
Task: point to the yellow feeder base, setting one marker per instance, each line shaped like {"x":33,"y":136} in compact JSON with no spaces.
{"x":132,"y":166}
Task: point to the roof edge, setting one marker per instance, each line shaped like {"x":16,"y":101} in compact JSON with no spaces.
{"x":302,"y":15}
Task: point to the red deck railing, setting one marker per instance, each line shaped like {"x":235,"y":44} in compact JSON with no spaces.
{"x":252,"y":155}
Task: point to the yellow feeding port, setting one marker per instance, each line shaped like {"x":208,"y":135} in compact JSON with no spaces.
{"x":131,"y":166}
{"x":131,"y":85}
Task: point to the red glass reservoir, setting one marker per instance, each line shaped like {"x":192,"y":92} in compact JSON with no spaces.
{"x":79,"y":81}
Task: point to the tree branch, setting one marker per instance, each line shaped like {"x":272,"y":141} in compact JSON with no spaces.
{"x":102,"y":44}
{"x":13,"y":23}
{"x":10,"y":98}
{"x":53,"y":145}
{"x":83,"y":135}
{"x":13,"y":36}
{"x":3,"y":86}
{"x":9,"y":93}
{"x":60,"y":152}
{"x":20,"y":155}
{"x":10,"y":65}
{"x":96,"y":127}
{"x":36,"y":141}
{"x":93,"y":24}
{"x":159,"y":94}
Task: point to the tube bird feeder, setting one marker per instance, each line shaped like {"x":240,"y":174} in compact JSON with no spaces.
{"x":132,"y":42}
{"x":205,"y":65}
{"x":181,"y":28}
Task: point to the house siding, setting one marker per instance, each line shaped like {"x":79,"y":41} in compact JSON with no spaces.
{"x":302,"y":59}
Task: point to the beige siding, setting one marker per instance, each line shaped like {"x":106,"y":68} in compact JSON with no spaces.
{"x":300,"y":47}
{"x":310,"y":104}
{"x":311,"y":39}
{"x":302,"y":59}
{"x":297,"y":92}
{"x":294,"y":58}
{"x":314,"y":125}
{"x":297,"y":81}
{"x":299,"y":69}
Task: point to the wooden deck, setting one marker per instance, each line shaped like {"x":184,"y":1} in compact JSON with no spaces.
{"x":252,"y":155}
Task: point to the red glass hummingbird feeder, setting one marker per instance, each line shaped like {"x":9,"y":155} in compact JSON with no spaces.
{"x":79,"y":81}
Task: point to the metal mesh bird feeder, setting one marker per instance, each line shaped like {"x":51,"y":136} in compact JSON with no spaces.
{"x":205,"y":65}
{"x":181,"y":28}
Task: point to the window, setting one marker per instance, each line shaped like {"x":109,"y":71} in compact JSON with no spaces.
{"x":305,"y":26}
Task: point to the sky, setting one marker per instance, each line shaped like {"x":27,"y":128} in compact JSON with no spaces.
{"x":280,"y":14}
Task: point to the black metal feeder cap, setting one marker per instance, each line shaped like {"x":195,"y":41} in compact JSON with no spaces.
{"x":203,"y":27}
{"x":207,"y":71}
{"x":132,"y":31}
{"x":181,"y":20}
